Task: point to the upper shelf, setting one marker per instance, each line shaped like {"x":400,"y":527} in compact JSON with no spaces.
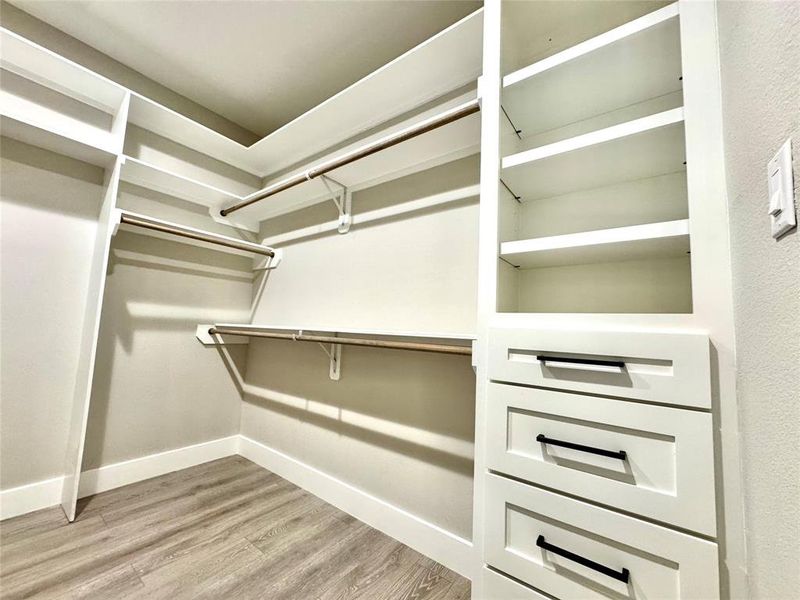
{"x":441,"y":64}
{"x":646,"y":147}
{"x":54,"y":103}
{"x":450,"y":142}
{"x":378,"y":333}
{"x":629,"y":64}
{"x":653,"y":240}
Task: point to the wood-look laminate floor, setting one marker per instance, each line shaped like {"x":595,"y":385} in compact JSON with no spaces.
{"x":225,"y":529}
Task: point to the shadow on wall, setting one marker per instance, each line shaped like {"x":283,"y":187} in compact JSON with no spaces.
{"x":150,"y":367}
{"x":394,"y":399}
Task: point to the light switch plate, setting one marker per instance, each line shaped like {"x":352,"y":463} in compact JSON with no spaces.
{"x":781,"y":191}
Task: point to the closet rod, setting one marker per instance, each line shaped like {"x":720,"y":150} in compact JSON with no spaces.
{"x":194,"y":234}
{"x":464,"y":110}
{"x":346,"y":341}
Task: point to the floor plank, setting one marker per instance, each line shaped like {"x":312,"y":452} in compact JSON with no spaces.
{"x":224,"y":529}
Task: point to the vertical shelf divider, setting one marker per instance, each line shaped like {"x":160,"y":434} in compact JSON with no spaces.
{"x":88,"y":352}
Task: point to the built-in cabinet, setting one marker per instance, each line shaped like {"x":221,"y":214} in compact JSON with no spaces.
{"x":607,"y":347}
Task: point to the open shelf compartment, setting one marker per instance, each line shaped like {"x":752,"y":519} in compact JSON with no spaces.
{"x":630,"y":64}
{"x":51,"y":102}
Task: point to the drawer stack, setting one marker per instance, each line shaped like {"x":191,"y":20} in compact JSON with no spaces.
{"x":600,"y":452}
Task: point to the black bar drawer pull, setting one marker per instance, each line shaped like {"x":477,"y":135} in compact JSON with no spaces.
{"x":581,"y":361}
{"x":623,"y":576}
{"x":620,"y":454}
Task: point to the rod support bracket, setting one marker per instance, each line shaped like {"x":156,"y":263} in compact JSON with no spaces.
{"x":267,"y":263}
{"x":335,"y":356}
{"x":343,"y":200}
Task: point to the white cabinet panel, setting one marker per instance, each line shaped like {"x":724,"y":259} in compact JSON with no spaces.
{"x":650,"y":460}
{"x":668,"y":368}
{"x":576,"y":551}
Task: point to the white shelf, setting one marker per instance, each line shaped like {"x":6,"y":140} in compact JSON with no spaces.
{"x":64,"y":117}
{"x":381,"y":333}
{"x":629,"y":64}
{"x":253,"y":246}
{"x":646,"y":147}
{"x":654,"y":240}
{"x":441,"y":64}
{"x":143,"y":174}
{"x":450,"y":142}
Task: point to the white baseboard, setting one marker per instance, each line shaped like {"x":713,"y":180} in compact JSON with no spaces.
{"x":444,"y":547}
{"x":43,"y":494}
{"x":28,"y":498}
{"x":130,"y":471}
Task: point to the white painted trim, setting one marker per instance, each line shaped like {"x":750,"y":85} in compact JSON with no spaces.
{"x":43,"y":494}
{"x":444,"y":547}
{"x":138,"y":469}
{"x":28,"y":498}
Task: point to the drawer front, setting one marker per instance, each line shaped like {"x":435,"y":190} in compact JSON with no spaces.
{"x":497,"y":586}
{"x":669,"y":368}
{"x":649,"y":460}
{"x":577,"y":551}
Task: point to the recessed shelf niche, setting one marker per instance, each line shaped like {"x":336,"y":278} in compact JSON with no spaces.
{"x":593,"y":202}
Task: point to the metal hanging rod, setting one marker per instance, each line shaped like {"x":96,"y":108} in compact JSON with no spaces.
{"x":346,"y":341}
{"x":447,"y":117}
{"x":195,"y":234}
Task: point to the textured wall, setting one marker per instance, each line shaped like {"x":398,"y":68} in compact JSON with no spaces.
{"x":760,"y":57}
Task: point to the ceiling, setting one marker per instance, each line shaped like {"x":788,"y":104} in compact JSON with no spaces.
{"x":257,"y":63}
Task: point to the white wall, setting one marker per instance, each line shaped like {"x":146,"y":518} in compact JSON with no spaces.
{"x":399,"y":425}
{"x":49,"y":215}
{"x":760,"y":57}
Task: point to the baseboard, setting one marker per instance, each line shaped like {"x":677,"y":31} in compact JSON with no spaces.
{"x":31,"y":497}
{"x":43,"y":494}
{"x":444,"y":547}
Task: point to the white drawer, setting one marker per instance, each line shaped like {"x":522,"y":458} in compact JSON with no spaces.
{"x":667,"y":472}
{"x":577,"y":551}
{"x":497,"y":586}
{"x":670,"y":368}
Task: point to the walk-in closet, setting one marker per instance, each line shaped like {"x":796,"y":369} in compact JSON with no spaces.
{"x":400,"y":299}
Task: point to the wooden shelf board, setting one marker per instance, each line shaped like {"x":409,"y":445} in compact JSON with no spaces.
{"x":659,"y":240}
{"x":47,"y":68}
{"x":156,"y":178}
{"x":455,"y":140}
{"x":184,"y":240}
{"x":646,"y":147}
{"x":32,"y":134}
{"x":382,"y":333}
{"x":629,"y":64}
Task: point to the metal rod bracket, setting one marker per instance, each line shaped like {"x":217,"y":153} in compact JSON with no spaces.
{"x":335,"y":356}
{"x":343,"y":200}
{"x":270,"y":262}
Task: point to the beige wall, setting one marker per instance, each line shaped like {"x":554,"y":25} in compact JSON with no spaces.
{"x":760,"y":56}
{"x":49,"y":215}
{"x":399,"y":425}
{"x":156,"y":387}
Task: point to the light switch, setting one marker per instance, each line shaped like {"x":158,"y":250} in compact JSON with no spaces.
{"x":781,"y":191}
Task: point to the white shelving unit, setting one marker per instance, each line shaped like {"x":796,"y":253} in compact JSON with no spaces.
{"x":646,"y":147}
{"x":51,"y":102}
{"x":441,"y":64}
{"x":654,"y":240}
{"x":637,"y":61}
